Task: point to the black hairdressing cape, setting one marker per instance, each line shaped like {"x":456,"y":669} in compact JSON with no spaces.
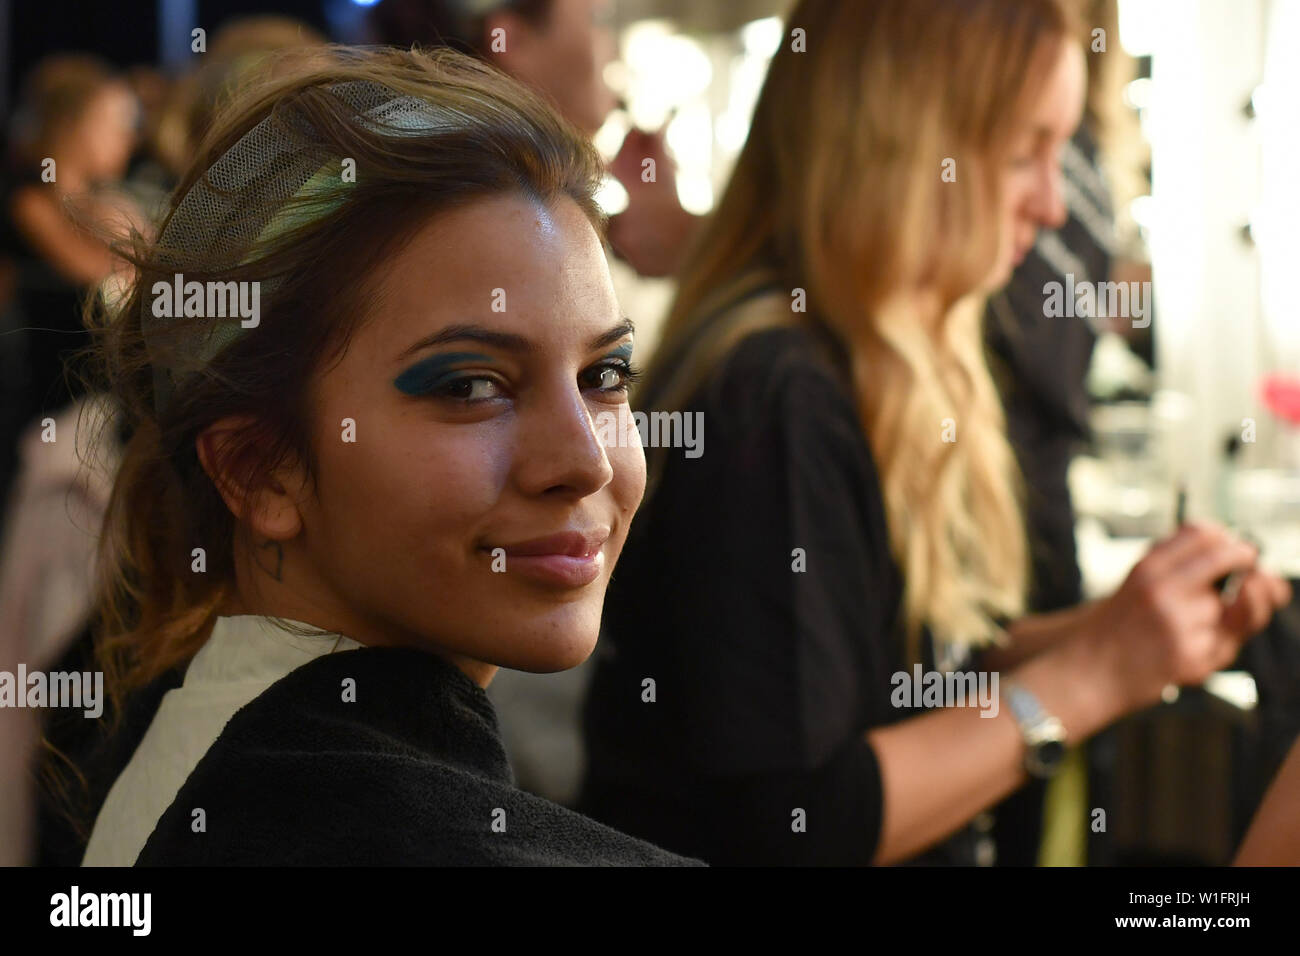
{"x":411,"y":772}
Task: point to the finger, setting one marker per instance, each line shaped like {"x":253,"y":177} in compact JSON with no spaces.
{"x":1168,"y":553}
{"x":1203,"y":609}
{"x":1214,"y":561}
{"x":1251,"y":611}
{"x":1281,"y":591}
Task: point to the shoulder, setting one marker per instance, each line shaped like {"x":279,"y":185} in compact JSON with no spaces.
{"x":338,"y":763}
{"x":401,"y":768}
{"x":782,"y":354}
{"x":777,"y":377}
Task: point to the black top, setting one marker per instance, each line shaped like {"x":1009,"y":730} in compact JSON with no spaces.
{"x":40,"y":331}
{"x":766,"y":677}
{"x":412,"y":772}
{"x":47,"y":306}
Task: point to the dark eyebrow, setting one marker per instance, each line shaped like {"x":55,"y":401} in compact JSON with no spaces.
{"x":507,"y":341}
{"x":613,"y":335}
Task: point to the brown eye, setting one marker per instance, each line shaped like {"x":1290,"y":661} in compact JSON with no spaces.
{"x":470,"y":389}
{"x":610,"y":377}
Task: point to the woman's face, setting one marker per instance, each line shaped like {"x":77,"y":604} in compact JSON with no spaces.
{"x":478,"y":513}
{"x":1032,"y":196}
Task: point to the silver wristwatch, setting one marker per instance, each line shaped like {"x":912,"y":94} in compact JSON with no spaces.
{"x":1044,"y":735}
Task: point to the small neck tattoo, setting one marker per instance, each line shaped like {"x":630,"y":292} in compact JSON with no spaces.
{"x":277,"y":550}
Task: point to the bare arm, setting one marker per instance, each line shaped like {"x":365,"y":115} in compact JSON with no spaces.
{"x":1165,"y":625}
{"x":1274,"y":835}
{"x":941,"y":769}
{"x":74,"y":253}
{"x":1035,"y":633}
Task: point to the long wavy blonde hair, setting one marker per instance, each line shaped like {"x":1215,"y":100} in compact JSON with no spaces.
{"x":839,"y":192}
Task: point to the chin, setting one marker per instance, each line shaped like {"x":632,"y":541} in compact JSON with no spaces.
{"x":550,"y":658}
{"x":559,"y":642}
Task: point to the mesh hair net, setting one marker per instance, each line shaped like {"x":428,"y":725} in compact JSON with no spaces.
{"x":277,"y":176}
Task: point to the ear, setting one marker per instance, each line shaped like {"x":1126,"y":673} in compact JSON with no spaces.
{"x":271,"y":508}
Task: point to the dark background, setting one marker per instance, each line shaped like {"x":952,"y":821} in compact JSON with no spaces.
{"x":126,"y":32}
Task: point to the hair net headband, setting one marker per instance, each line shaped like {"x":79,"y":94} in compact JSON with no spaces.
{"x":276,"y":177}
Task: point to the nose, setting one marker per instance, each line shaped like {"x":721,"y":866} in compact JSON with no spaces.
{"x":560,"y":452}
{"x":1049,"y":206}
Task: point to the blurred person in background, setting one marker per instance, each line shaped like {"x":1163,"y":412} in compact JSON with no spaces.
{"x":1040,"y":364}
{"x":71,"y":136}
{"x":560,"y":48}
{"x":59,"y":498}
{"x":238,"y":51}
{"x":854,"y":517}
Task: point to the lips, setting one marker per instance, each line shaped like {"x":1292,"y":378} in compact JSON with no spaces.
{"x":573,"y":544}
{"x":571,"y":559}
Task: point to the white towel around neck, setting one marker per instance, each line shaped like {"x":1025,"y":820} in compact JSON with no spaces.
{"x":244,"y":655}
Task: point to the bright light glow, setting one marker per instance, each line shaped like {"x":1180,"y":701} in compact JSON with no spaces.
{"x":611,"y":196}
{"x":615,"y":76}
{"x":609,"y":138}
{"x":665,"y":71}
{"x":695,"y":193}
{"x":762,"y":37}
{"x":1139,"y":22}
{"x":1137,"y":94}
{"x":746,"y":83}
{"x":1259,"y":100}
{"x":365,"y":3}
{"x":1279,"y":192}
{"x":690,"y":137}
{"x":1142,"y":209}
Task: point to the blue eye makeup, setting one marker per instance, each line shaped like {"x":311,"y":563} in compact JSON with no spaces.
{"x":433,"y":372}
{"x":444,"y":376}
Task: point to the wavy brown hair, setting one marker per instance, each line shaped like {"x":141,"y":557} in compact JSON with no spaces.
{"x":152,"y":611}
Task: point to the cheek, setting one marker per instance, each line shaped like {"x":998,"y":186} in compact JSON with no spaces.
{"x":582,"y":75}
{"x":422,"y":487}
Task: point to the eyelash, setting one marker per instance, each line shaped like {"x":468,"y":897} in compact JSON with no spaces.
{"x":630,"y":375}
{"x":629,"y":372}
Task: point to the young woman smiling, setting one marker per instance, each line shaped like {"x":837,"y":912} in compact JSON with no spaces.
{"x":353,"y":514}
{"x":854,"y":511}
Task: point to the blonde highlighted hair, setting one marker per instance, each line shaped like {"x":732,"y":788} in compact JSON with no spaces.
{"x":838,"y":191}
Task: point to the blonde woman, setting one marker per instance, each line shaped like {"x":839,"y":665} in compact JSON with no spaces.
{"x":852,"y":527}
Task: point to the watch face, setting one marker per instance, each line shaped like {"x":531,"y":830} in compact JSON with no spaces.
{"x":1050,"y":753}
